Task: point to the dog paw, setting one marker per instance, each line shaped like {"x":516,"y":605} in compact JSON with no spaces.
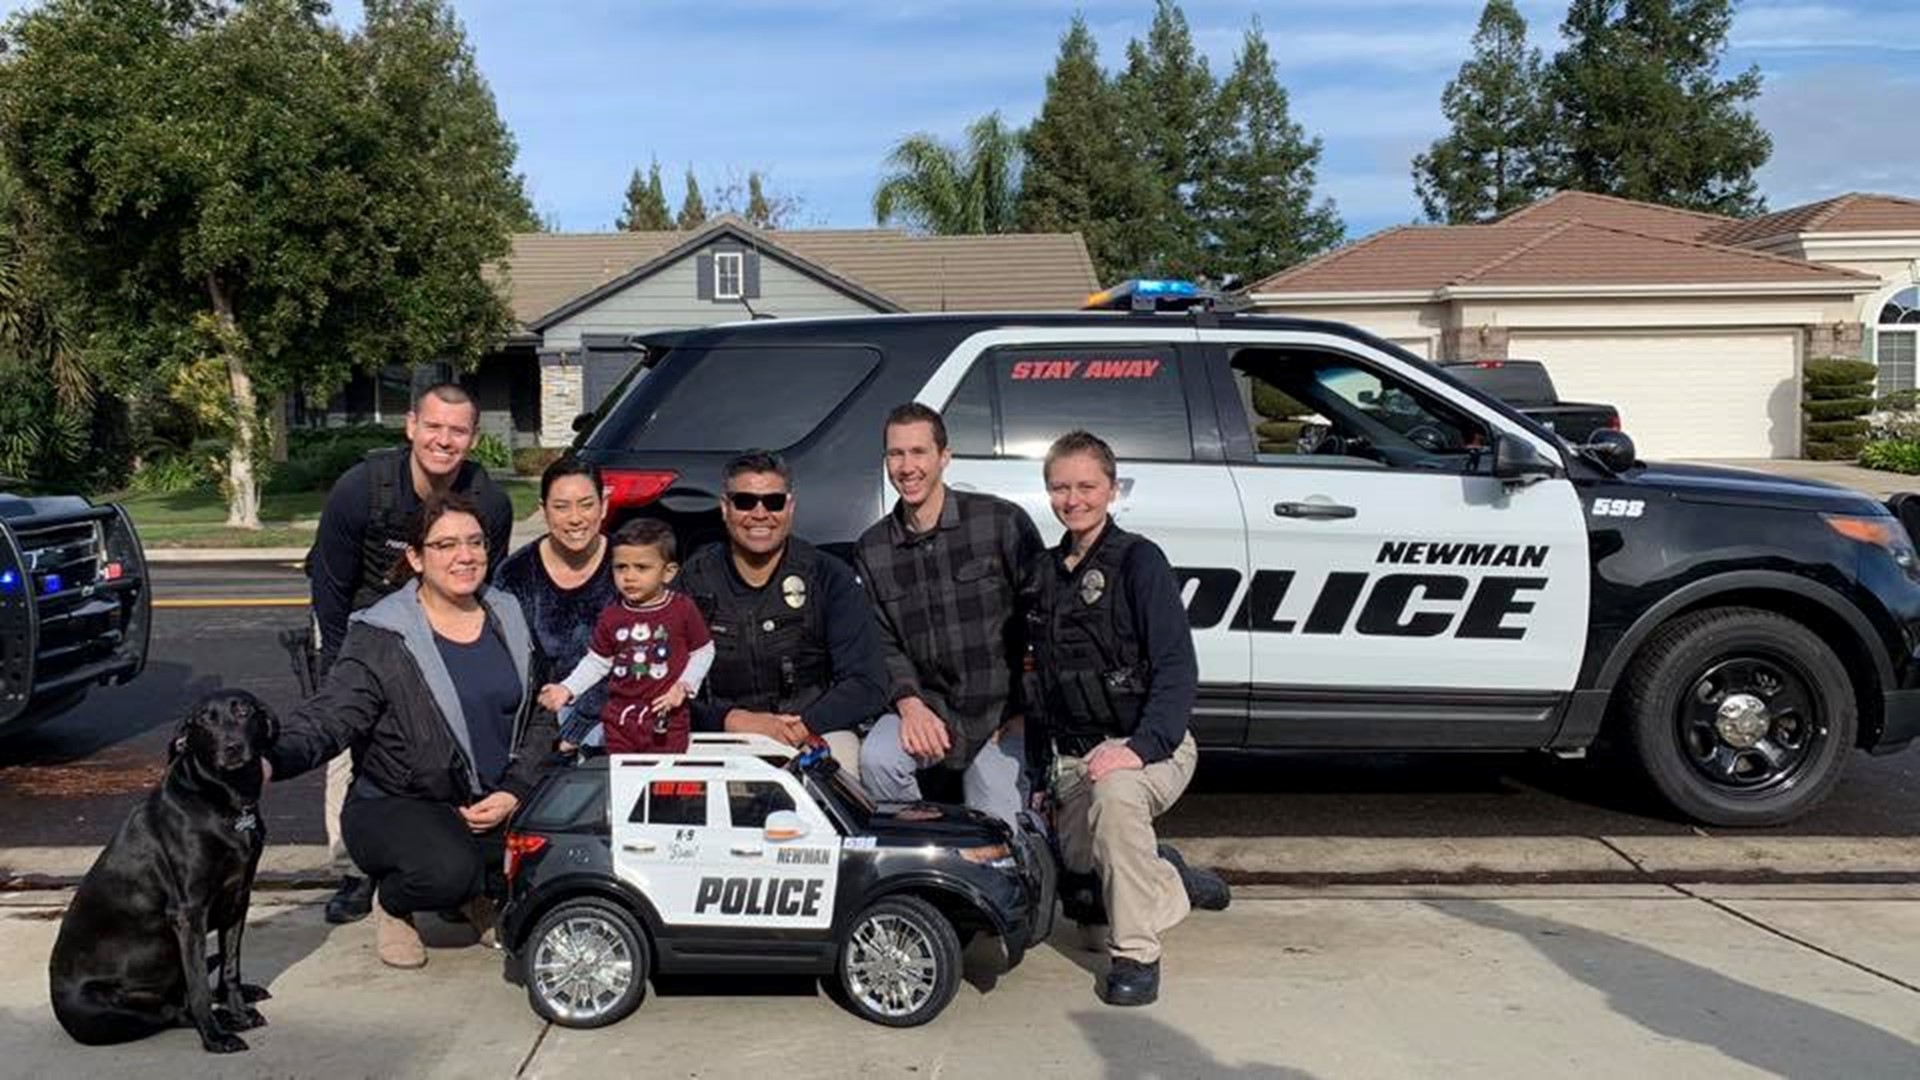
{"x":243,"y":1018}
{"x":223,"y":1043}
{"x":252,"y":994}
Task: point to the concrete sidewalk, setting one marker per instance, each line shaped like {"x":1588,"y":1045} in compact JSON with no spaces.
{"x":1587,"y":981}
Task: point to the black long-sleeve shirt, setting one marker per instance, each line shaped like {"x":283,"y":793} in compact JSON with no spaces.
{"x":1166,"y":642}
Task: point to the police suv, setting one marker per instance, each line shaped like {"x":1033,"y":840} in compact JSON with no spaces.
{"x":1373,"y":556}
{"x":740,"y":857}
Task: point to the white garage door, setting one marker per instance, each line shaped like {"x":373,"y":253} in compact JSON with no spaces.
{"x":1679,"y":396}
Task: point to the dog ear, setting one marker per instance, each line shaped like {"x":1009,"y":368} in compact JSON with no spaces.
{"x":178,"y":745}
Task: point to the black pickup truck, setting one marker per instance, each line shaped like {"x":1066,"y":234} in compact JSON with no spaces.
{"x":75,"y":607}
{"x":1525,"y":385}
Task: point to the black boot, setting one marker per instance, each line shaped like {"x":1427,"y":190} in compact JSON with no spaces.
{"x":352,"y":902}
{"x":1130,"y":982}
{"x":1206,"y":890}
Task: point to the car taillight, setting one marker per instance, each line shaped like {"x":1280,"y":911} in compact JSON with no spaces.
{"x":519,"y":846}
{"x":1613,"y":422}
{"x":629,"y":489}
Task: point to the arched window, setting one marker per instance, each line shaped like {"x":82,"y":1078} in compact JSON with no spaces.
{"x":1897,"y":340}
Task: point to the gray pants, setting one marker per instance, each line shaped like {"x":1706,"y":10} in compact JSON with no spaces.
{"x":993,"y":783}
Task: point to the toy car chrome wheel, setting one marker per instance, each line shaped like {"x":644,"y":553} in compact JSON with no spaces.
{"x":586,"y":964}
{"x":900,"y":963}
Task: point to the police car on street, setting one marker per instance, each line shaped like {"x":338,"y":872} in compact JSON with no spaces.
{"x":1373,"y":556}
{"x":739,"y":857}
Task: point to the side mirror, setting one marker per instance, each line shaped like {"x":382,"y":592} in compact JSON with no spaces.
{"x":583,"y":421}
{"x":1613,"y":448}
{"x":1517,"y":460}
{"x":785,"y":825}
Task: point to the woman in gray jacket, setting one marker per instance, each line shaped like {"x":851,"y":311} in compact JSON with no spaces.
{"x":434,"y":694}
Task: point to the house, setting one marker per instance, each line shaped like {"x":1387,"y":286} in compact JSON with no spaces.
{"x":579,"y":298}
{"x":1696,"y":326}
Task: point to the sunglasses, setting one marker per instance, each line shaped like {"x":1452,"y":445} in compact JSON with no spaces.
{"x":745,"y":501}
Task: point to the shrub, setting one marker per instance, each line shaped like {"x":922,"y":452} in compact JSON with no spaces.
{"x":533,"y":460}
{"x":173,"y":473}
{"x":317,"y":457}
{"x":490,"y":451}
{"x":1839,"y":394}
{"x":1893,"y":455}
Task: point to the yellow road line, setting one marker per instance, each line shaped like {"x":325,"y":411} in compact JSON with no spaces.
{"x":236,"y":601}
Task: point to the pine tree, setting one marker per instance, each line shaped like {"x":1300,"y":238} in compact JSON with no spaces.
{"x":1168,"y":96}
{"x":646,"y":209}
{"x":759,"y":211}
{"x":1496,"y":157}
{"x":1081,"y":176}
{"x":1642,"y":112}
{"x":693,"y":210}
{"x":1256,"y":202}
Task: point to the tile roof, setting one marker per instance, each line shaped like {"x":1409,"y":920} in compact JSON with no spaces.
{"x":1620,"y":213}
{"x":1854,"y":212}
{"x":1571,"y":253}
{"x":1013,"y":271}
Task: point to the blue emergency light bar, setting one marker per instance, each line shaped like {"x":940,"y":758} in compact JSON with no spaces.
{"x":9,"y":581}
{"x":1148,"y":294}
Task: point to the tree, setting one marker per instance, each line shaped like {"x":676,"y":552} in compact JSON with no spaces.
{"x":1081,"y":175}
{"x":1168,"y":96}
{"x":251,"y":188}
{"x":1641,"y":110}
{"x":1496,"y":158}
{"x":1256,"y":204}
{"x":693,"y":209}
{"x":936,"y":188}
{"x":646,"y":209}
{"x":47,"y":391}
{"x":754,"y":199}
{"x":759,"y":211}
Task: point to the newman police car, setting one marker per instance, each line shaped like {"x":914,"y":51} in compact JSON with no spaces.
{"x":738,"y":857}
{"x":1373,"y":556}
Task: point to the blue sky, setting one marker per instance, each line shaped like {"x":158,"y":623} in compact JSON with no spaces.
{"x":813,"y":92}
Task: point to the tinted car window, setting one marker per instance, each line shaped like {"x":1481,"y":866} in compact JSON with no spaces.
{"x":749,"y":802}
{"x":1508,"y":382}
{"x":575,"y":800}
{"x":969,"y":415}
{"x":724,"y":399}
{"x":1129,"y":395}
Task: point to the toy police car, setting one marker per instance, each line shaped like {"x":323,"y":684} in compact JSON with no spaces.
{"x":1373,"y":556}
{"x":739,"y":857}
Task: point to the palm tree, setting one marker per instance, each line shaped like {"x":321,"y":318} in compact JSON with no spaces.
{"x":937,"y":188}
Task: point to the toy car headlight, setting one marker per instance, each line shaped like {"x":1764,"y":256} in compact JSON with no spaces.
{"x":998,"y":856}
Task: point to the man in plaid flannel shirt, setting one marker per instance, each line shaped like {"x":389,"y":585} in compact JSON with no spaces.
{"x":943,"y":569}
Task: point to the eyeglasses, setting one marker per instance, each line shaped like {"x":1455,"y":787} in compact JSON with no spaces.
{"x":745,"y":501}
{"x":452,"y":544}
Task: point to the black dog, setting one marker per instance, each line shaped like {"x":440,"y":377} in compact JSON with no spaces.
{"x":131,"y":959}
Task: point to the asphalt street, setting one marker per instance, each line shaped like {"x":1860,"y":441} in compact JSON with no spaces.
{"x":70,"y":781}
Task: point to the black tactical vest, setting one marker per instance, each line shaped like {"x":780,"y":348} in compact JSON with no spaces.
{"x":770,"y":646}
{"x":385,"y":541}
{"x":1087,"y":661}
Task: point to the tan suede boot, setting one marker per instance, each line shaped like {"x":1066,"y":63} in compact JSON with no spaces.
{"x":395,"y":940}
{"x":484,"y":917}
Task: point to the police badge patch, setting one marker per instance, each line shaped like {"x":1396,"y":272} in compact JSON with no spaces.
{"x":794,"y":588}
{"x":1092,"y":587}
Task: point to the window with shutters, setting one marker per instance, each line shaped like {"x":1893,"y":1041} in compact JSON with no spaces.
{"x":729,"y":272}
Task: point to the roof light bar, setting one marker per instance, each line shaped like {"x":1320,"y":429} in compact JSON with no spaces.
{"x":1150,"y":294}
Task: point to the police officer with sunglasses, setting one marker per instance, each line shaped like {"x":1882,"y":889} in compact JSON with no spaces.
{"x":796,"y":650}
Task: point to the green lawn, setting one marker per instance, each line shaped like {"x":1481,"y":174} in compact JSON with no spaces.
{"x":198,"y":518}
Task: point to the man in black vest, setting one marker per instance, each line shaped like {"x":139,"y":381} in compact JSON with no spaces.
{"x":796,"y":650}
{"x":362,"y":533}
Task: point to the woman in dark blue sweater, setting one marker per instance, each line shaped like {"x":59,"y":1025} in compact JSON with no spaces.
{"x":564,"y":580}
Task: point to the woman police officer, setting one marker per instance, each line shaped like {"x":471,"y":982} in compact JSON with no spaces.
{"x":1117,"y":675}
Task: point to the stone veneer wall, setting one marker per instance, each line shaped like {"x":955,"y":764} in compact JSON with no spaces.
{"x":1845,"y":340}
{"x":1474,"y":343}
{"x":562,"y":397}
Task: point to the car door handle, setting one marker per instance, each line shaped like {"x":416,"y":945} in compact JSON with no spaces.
{"x":1316,"y":511}
{"x":751,"y":851}
{"x":640,"y":848}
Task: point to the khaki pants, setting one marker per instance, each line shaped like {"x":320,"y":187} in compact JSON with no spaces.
{"x":339,"y":779}
{"x":1107,"y":829}
{"x":845,"y":748}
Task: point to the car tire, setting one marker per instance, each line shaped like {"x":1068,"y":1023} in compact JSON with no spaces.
{"x":585,"y":964}
{"x":899,"y":963}
{"x":1739,"y":716}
